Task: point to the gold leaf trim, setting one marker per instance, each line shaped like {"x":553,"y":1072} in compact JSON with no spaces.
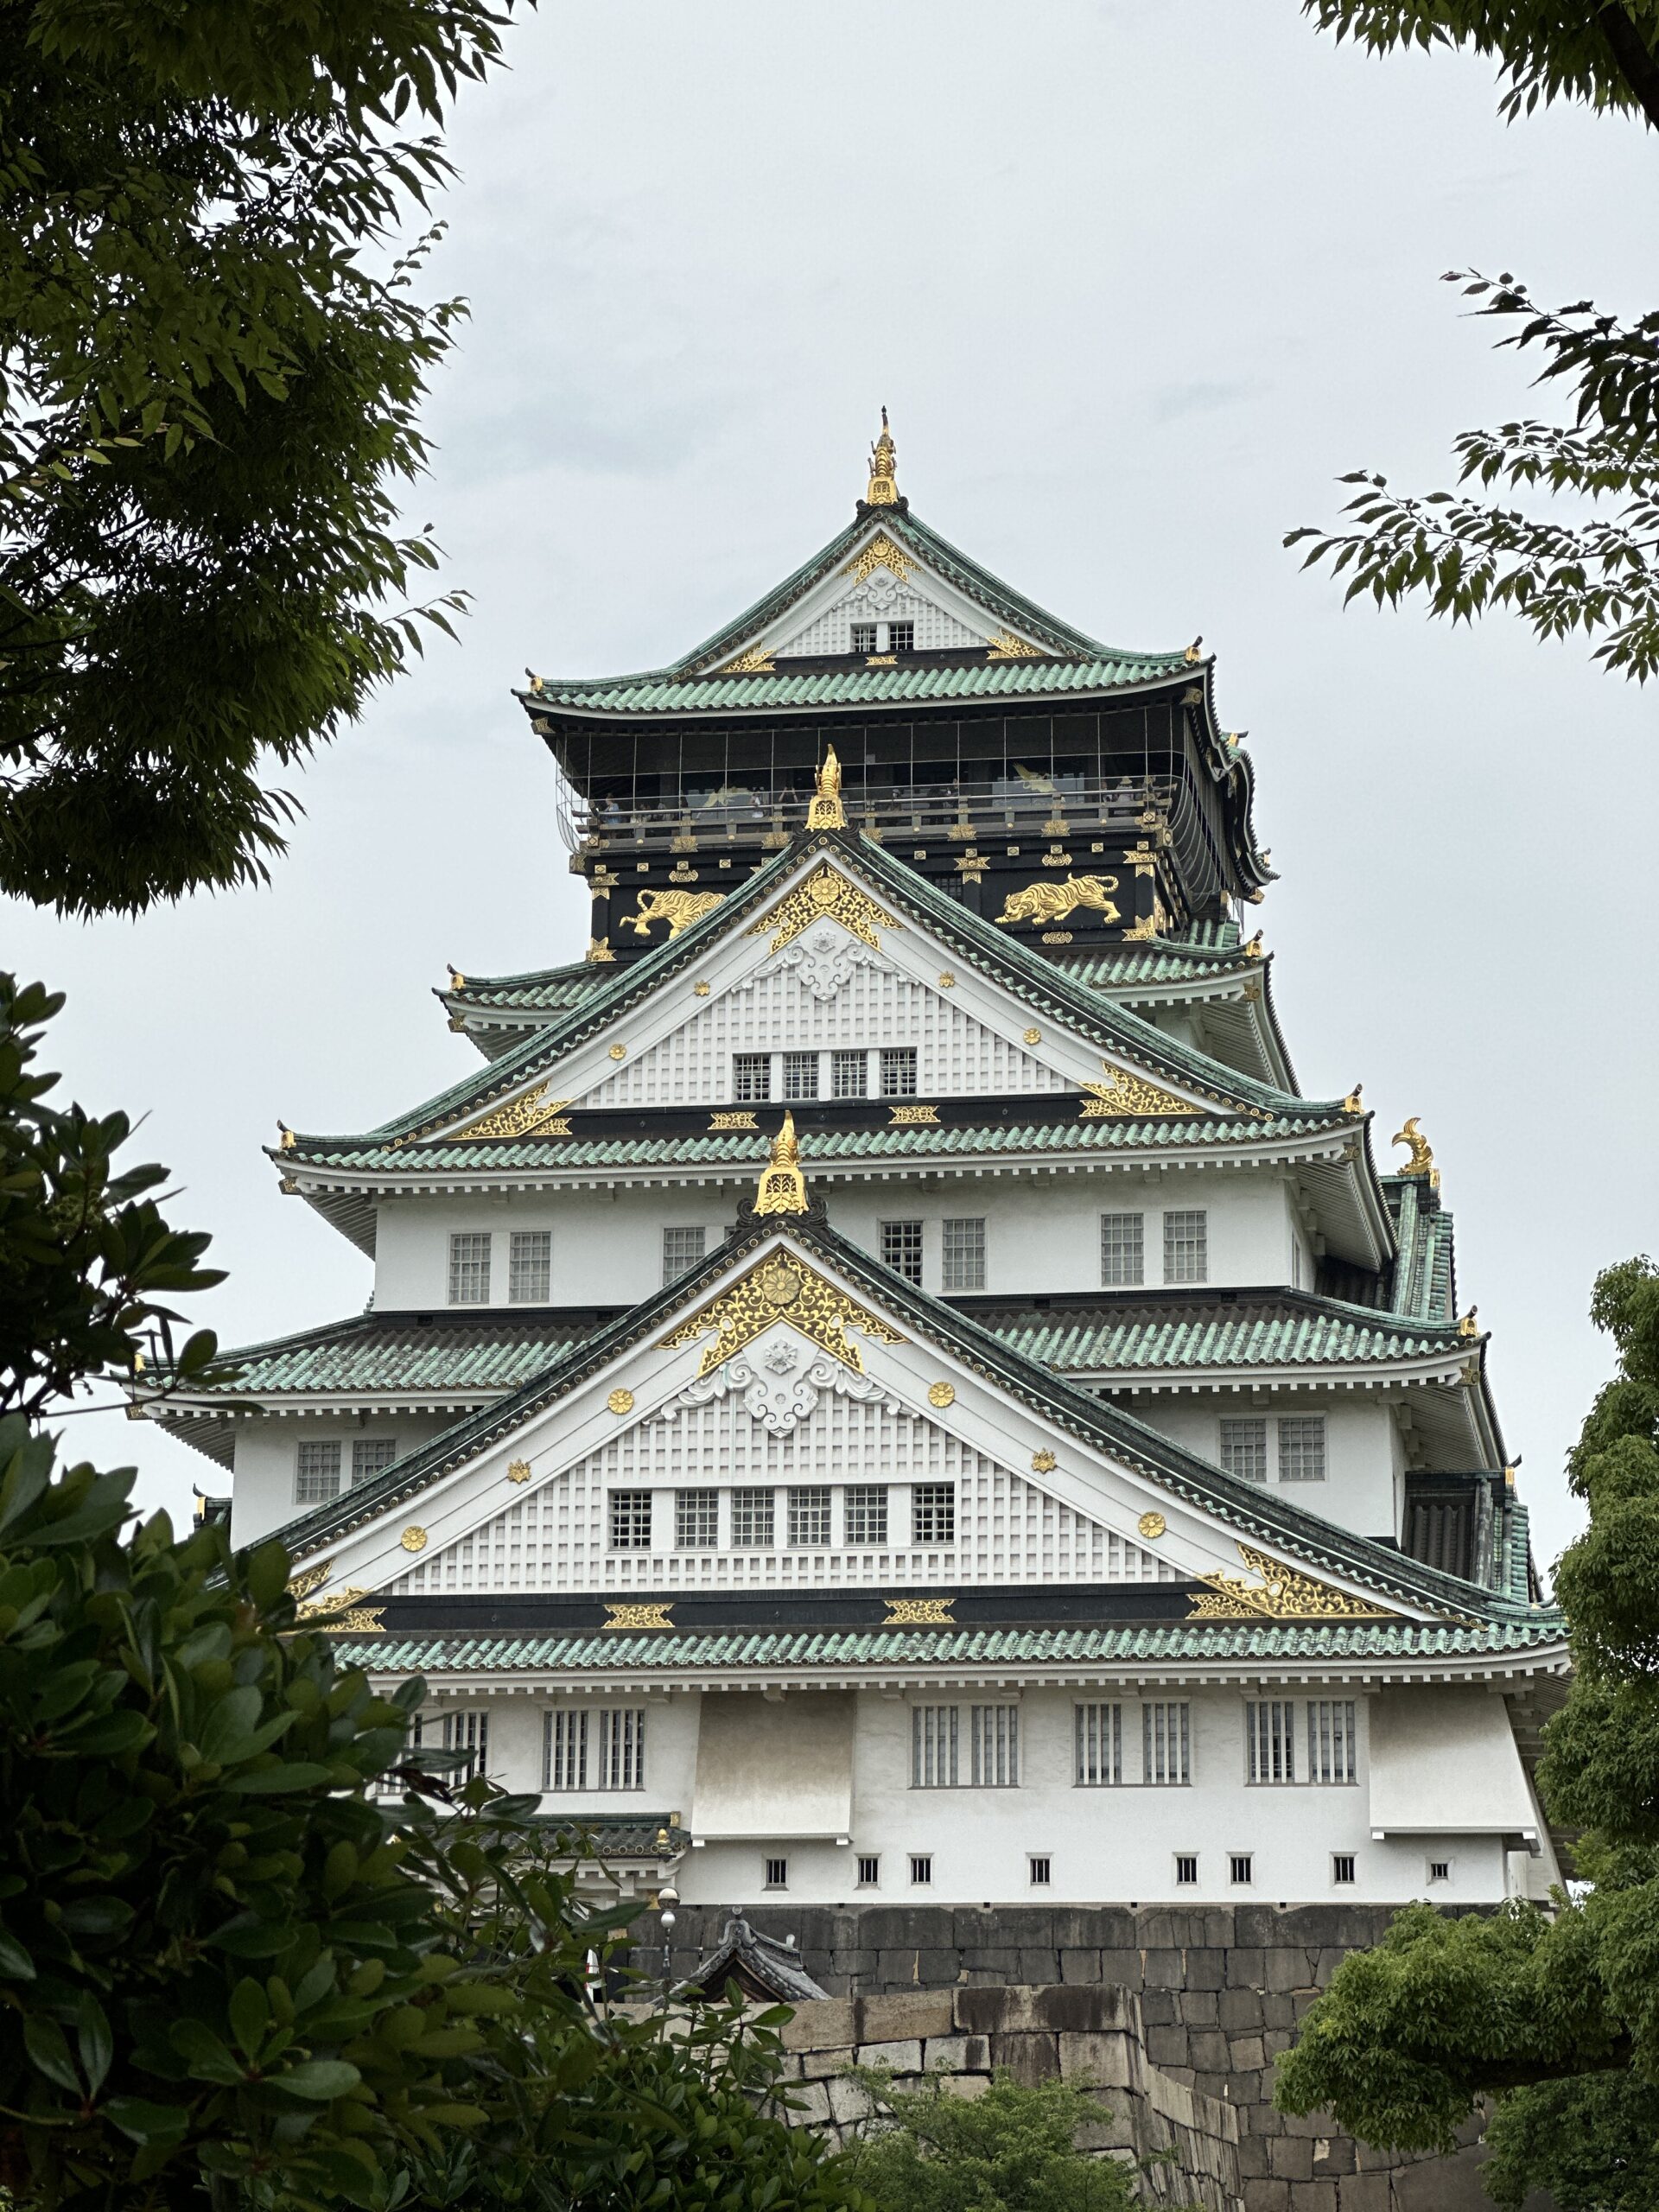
{"x":679,"y":909}
{"x":757,"y":661}
{"x":1124,"y":1092}
{"x":879,"y":553}
{"x":1152,"y":1526}
{"x":1283,"y":1593}
{"x":1052,"y":902}
{"x":307,"y":1579}
{"x":1004,"y":646}
{"x":781,"y":1289}
{"x":413,"y":1538}
{"x":658,"y":1615}
{"x":518,"y":1470}
{"x":941,"y":1395}
{"x":912,"y":1117}
{"x":620,"y":1401}
{"x":920,"y":1613}
{"x":732,"y":1121}
{"x":533,"y":1113}
{"x":826,"y":891}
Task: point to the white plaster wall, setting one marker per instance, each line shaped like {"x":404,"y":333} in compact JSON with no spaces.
{"x":1360,"y":1490}
{"x":1110,"y":1844}
{"x":267,"y":1460}
{"x":1042,"y":1233}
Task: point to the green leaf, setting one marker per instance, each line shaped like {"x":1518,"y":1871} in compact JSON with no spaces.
{"x":45,"y":2043}
{"x":95,"y":2042}
{"x":15,"y":1964}
{"x":147,"y":2123}
{"x":319,"y":2079}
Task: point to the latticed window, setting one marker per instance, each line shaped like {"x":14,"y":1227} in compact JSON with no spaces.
{"x":1122,"y":1249}
{"x":750,"y":1077}
{"x":1186,"y":1245}
{"x":370,"y":1455}
{"x":1099,"y":1745}
{"x":753,"y":1518}
{"x":1269,"y":1740}
{"x":808,"y":1515}
{"x":863,"y":636}
{"x":1330,"y":1740}
{"x":530,"y":1266}
{"x":867,"y":1513}
{"x":630,"y":1520}
{"x":1301,"y":1448}
{"x":995,"y":1733}
{"x":1166,"y":1743}
{"x":621,"y":1748}
{"x":800,"y":1075}
{"x":564,"y":1751}
{"x":963,"y":1264}
{"x":901,"y":637}
{"x":697,"y":1519}
{"x":850,"y":1075}
{"x":468,"y":1734}
{"x":933,"y":1513}
{"x":933,"y":1738}
{"x":897,"y":1070}
{"x":317,"y":1474}
{"x":469,"y":1268}
{"x":682,"y":1248}
{"x":1244,"y":1449}
{"x":901,"y":1249}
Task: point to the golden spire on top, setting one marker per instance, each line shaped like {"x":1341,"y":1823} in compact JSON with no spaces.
{"x":783,"y":1186}
{"x":884,"y":469}
{"x":1421,"y":1161}
{"x":826,"y":811}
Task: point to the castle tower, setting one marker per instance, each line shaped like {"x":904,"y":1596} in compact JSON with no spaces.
{"x":885,"y":1335}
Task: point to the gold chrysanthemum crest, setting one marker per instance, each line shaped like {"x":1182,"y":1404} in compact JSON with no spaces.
{"x":826,"y":891}
{"x":781,"y":1289}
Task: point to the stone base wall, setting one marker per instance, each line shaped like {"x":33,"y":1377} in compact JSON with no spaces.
{"x":1096,"y":2035}
{"x":1219,"y":1992}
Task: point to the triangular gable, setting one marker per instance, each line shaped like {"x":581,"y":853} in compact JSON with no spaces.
{"x":897,"y":1383}
{"x":885,"y":581}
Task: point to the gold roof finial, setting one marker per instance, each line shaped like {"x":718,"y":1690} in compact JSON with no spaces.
{"x":457,"y":981}
{"x":783,"y":1186}
{"x":883,"y":470}
{"x":1467,"y":1324}
{"x":826,"y":811}
{"x":1355,"y":1102}
{"x":1421,"y":1161}
{"x":285,"y":1137}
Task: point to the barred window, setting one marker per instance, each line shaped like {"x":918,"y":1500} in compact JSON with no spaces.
{"x":469,"y":1268}
{"x":1123,"y":1248}
{"x":1244,"y":1449}
{"x":317,"y":1474}
{"x":370,"y":1455}
{"x":1099,"y":1732}
{"x":754,"y":1515}
{"x":776,"y":1874}
{"x":1342,"y":1867}
{"x":1166,"y":1743}
{"x":1330,"y":1740}
{"x":621,"y":1748}
{"x":1301,"y":1448}
{"x":921,"y":1869}
{"x":995,"y":1733}
{"x":564,"y":1750}
{"x":808,"y":1515}
{"x":869,"y":1872}
{"x":1242,"y":1865}
{"x":933,"y":1513}
{"x":867,"y":1513}
{"x":897,"y":1070}
{"x":901,"y":1249}
{"x":750,"y":1077}
{"x":800,"y":1075}
{"x":963,"y":1264}
{"x":467,"y":1733}
{"x":850,"y":1075}
{"x":1186,"y":1245}
{"x":682,"y":1248}
{"x":1269,"y":1740}
{"x":1186,"y":1869}
{"x":1040,"y":1872}
{"x":933,"y":1747}
{"x":697,"y":1519}
{"x":530,"y":1266}
{"x":901,"y":637}
{"x":630,"y":1520}
{"x":863,"y":636}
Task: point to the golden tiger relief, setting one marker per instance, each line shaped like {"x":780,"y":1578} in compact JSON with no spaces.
{"x":1052,"y":902}
{"x":679,"y":909}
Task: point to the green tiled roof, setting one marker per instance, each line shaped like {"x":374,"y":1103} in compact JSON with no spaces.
{"x":1290,"y":1330}
{"x":1122,"y":968}
{"x":1425,"y":1274}
{"x":367,"y":1354}
{"x":1266,"y":1516}
{"x":855,"y":686}
{"x":542,"y":990}
{"x":1029,"y":974}
{"x":1236,"y":1641}
{"x":820,"y":1149}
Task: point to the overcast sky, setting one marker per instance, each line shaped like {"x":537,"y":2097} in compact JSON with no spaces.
{"x":1137,"y":280}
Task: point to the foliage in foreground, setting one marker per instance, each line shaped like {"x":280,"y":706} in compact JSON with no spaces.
{"x":1012,"y":2149}
{"x":210,"y":378}
{"x":1555,"y":2014}
{"x":232,"y":1973}
{"x":1596,"y":570}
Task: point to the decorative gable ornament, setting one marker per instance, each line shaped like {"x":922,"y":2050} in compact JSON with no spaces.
{"x":1283,"y":1593}
{"x":533,"y":1114}
{"x":783,"y":1186}
{"x":825,"y":895}
{"x":781,"y":1389}
{"x":825,"y":961}
{"x":781,"y":1287}
{"x":1124,"y":1093}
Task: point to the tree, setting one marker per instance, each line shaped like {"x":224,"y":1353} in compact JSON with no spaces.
{"x":1597,"y":573}
{"x":1553,"y":2014}
{"x":1012,"y":2149}
{"x":210,"y":373}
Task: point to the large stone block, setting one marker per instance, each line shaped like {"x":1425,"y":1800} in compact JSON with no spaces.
{"x":1029,"y":2058}
{"x":1207,"y":2049}
{"x":1067,"y":2007}
{"x":1167,"y":2046}
{"x":1199,"y":2008}
{"x":1290,"y":1969}
{"x":1122,"y":1965}
{"x":1036,"y":1967}
{"x":1079,"y":1965}
{"x":1245,"y":2054}
{"x":1266,"y":2197}
{"x":1240,"y":2010}
{"x":892,"y":2058}
{"x":1164,"y":1966}
{"x":849,"y":2101}
{"x":1104,"y":2060}
{"x":824,"y":2026}
{"x":1292,"y":2156}
{"x":1203,"y":1967}
{"x":908,"y":2015}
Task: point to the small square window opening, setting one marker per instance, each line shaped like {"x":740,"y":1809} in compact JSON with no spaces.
{"x":682,"y":1248}
{"x":850,"y":1075}
{"x":630,"y":1520}
{"x":901,"y":637}
{"x":750,"y":1077}
{"x":1440,"y":1870}
{"x":1040,"y":1873}
{"x":1342,"y":1867}
{"x":869,"y":1873}
{"x":777,"y":1873}
{"x":933,"y":1513}
{"x":800,"y":1075}
{"x":1241,"y":1868}
{"x":901,"y":1249}
{"x":897,"y":1070}
{"x":1186,"y":1869}
{"x":921,"y":1869}
{"x":863,"y":637}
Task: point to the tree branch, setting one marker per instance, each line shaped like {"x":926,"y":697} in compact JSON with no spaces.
{"x":1635,"y":64}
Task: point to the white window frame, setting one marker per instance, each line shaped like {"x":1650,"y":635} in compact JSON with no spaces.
{"x":869,"y":1870}
{"x":1097,"y":1746}
{"x":935,"y":1747}
{"x":1186,"y":1244}
{"x":933,"y":1514}
{"x":621,"y":1748}
{"x":865,"y":1515}
{"x":470,"y":1267}
{"x":1121,"y":1253}
{"x":921,"y":1869}
{"x":1332,"y":1742}
{"x":794,"y":1065}
{"x":1166,"y":1743}
{"x":1269,"y":1742}
{"x":962,"y":1253}
{"x":902,"y":1236}
{"x":1301,"y":1429}
{"x":844,"y":1062}
{"x":613,"y":1505}
{"x":815,"y":1500}
{"x":530,"y":1262}
{"x":754,"y":1506}
{"x":1247,"y":1860}
{"x":1228,"y":1447}
{"x":674,"y":1267}
{"x":318,"y":1484}
{"x":361,"y":1447}
{"x":1183,"y":1859}
{"x":1040,"y":1868}
{"x":564,"y":1748}
{"x":696,"y":1519}
{"x":746,"y":1069}
{"x":774,"y":1874}
{"x":899,"y":1070}
{"x":1339,"y":1859}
